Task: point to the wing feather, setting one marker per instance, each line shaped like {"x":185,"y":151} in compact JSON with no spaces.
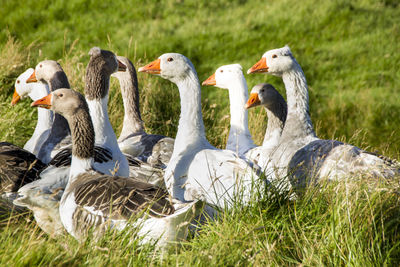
{"x":121,"y":198}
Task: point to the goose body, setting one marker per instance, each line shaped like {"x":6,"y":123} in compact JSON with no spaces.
{"x":93,"y":200}
{"x":300,"y":153}
{"x":197,"y":170}
{"x":17,"y":168}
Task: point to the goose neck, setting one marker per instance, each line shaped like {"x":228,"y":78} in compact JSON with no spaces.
{"x":130,"y":97}
{"x":297,"y":102}
{"x":45,"y":120}
{"x":38,"y":90}
{"x":83,"y":137}
{"x":191,"y":126}
{"x":239,"y":133}
{"x":58,"y":80}
{"x":276,"y":122}
{"x":104,"y":133}
{"x":96,"y":94}
{"x":45,"y":116}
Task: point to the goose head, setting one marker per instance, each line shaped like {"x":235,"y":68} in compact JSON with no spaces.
{"x":45,"y":71}
{"x":22,"y":90}
{"x":63,"y":101}
{"x":263,"y":94}
{"x":106,"y":61}
{"x":225,"y":75}
{"x":275,"y":62}
{"x":125,"y":68}
{"x":171,"y":66}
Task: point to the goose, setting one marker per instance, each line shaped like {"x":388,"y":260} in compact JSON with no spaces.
{"x":198,"y":170}
{"x":43,"y":195}
{"x":301,"y":155}
{"x":151,"y":153}
{"x":101,"y":65}
{"x":133,"y":140}
{"x":45,"y":117}
{"x":231,"y":77}
{"x":50,"y":73}
{"x":275,"y":105}
{"x":93,"y":200}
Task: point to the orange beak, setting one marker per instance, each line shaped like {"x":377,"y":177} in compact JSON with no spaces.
{"x":152,"y":67}
{"x":32,"y":78}
{"x":121,"y":66}
{"x":44,"y":102}
{"x":16,"y":98}
{"x":260,"y":66}
{"x":253,"y":101}
{"x":210,"y":81}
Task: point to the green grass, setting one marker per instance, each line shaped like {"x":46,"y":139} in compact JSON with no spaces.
{"x":349,"y":51}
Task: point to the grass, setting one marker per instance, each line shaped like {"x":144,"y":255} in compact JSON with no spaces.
{"x":349,"y":53}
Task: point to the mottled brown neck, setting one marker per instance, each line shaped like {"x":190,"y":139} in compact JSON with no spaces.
{"x":130,"y":96}
{"x":97,"y":80}
{"x":82,"y":133}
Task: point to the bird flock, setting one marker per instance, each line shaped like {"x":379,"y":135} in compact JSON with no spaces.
{"x":77,"y":177}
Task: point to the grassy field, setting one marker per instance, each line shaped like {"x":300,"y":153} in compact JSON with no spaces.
{"x":349,"y":51}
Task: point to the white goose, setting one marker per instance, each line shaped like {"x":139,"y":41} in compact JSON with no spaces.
{"x":45,"y":117}
{"x":133,"y":140}
{"x":93,"y":200}
{"x":301,"y":154}
{"x":197,"y":170}
{"x":231,"y":77}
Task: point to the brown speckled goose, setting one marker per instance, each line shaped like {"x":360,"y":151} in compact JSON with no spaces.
{"x":301,"y":155}
{"x":95,"y":200}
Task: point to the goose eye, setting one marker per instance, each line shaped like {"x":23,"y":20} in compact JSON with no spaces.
{"x":60,"y":95}
{"x":17,"y":81}
{"x":40,"y":65}
{"x":221,"y":71}
{"x":274,"y":56}
{"x":170,"y":59}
